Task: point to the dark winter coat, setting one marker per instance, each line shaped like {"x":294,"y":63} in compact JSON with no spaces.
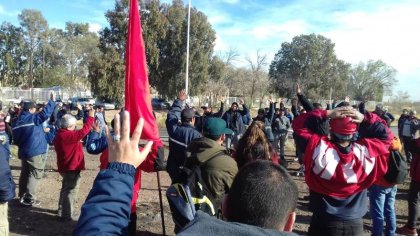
{"x":7,"y":185}
{"x":180,"y":136}
{"x":235,"y":120}
{"x":217,"y":172}
{"x":28,"y":132}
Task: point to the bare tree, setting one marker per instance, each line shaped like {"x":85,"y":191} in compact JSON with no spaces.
{"x":231,"y":56}
{"x":259,"y":78}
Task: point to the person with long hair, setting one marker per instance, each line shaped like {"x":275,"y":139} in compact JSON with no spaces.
{"x":254,"y":145}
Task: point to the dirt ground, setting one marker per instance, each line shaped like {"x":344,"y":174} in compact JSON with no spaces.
{"x":42,"y":220}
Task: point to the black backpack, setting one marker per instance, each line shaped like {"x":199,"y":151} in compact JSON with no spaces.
{"x":397,"y":168}
{"x":189,"y":194}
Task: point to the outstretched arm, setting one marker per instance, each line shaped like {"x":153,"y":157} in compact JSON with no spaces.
{"x":46,"y":112}
{"x":221,"y":109}
{"x":307,"y":105}
{"x":307,"y":125}
{"x":107,"y":207}
{"x":174,"y":114}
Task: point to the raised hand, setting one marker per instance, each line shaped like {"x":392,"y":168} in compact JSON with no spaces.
{"x":121,"y":147}
{"x":339,"y":112}
{"x":355,"y":116}
{"x":221,"y":99}
{"x":298,"y":90}
{"x":241,"y":101}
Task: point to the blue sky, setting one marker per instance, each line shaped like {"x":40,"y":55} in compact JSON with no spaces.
{"x":361,"y":30}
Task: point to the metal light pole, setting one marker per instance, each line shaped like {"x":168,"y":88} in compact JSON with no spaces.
{"x":188,"y":48}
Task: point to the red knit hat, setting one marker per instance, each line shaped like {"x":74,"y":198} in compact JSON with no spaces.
{"x":343,"y":126}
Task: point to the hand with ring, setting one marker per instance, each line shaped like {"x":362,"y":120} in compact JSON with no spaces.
{"x":121,"y":147}
{"x":116,"y":137}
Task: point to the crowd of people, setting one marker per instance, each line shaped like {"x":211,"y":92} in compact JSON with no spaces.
{"x":344,"y":152}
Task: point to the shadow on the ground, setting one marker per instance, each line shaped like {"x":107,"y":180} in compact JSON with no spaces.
{"x":15,"y":168}
{"x":25,"y":220}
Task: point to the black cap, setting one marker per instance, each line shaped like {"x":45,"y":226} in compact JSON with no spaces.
{"x":187,"y":113}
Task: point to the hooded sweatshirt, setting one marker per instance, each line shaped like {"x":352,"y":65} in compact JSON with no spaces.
{"x":217,"y":168}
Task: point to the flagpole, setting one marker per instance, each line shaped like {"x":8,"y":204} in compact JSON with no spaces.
{"x":188,"y":48}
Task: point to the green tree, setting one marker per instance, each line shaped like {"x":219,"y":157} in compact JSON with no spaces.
{"x":80,"y":46}
{"x":12,"y":55}
{"x":371,"y":80}
{"x":105,"y":73}
{"x":107,"y":69}
{"x":309,"y":60}
{"x":164,"y":32}
{"x":167,"y":47}
{"x":154,"y":25}
{"x":34,"y":27}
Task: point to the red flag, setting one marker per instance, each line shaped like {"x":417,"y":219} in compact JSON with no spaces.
{"x":137,"y":92}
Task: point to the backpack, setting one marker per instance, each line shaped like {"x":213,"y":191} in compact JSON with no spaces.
{"x":397,"y":168}
{"x":189,"y":194}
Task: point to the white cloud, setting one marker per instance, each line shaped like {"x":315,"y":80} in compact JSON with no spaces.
{"x":264,"y":30}
{"x":95,"y":27}
{"x":361,"y":30}
{"x":4,"y":12}
{"x":219,"y":19}
{"x":390,"y":34}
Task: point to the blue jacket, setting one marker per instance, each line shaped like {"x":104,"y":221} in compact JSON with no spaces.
{"x":106,"y":210}
{"x":28,"y":133}
{"x":96,"y":143}
{"x":205,"y":225}
{"x":7,"y":186}
{"x":180,"y":136}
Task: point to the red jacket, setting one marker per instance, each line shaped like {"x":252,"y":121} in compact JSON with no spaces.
{"x":331,"y":172}
{"x":69,"y":148}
